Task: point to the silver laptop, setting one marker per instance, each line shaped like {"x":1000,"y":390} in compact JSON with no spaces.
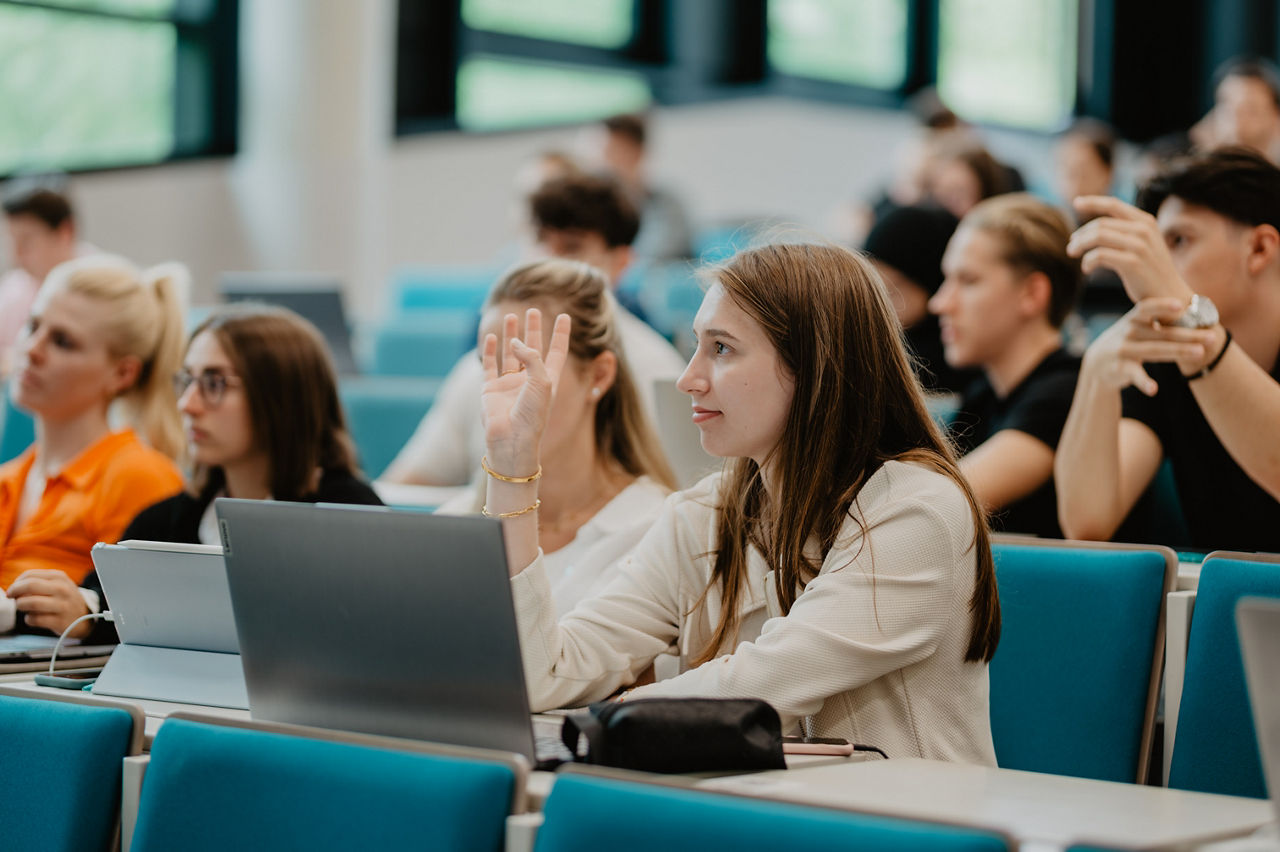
{"x":378,"y":621}
{"x":171,"y":607}
{"x":1258,"y":620}
{"x":318,"y":298}
{"x":680,"y":438}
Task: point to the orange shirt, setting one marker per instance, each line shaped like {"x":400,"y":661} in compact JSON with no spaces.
{"x":92,"y":499}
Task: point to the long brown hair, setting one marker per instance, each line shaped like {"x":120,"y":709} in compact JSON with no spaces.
{"x":294,"y":409}
{"x":857,"y":404}
{"x":623,"y":431}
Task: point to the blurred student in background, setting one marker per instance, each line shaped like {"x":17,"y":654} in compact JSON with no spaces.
{"x":259,"y":403}
{"x":906,"y":245}
{"x":40,"y":226}
{"x":1084,"y":162}
{"x":623,"y":148}
{"x":100,"y":347}
{"x":578,"y":217}
{"x":1009,"y":286}
{"x":605,"y":475}
{"x":961,"y":172}
{"x":1246,"y":108}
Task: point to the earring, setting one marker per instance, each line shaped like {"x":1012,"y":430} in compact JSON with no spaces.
{"x":595,"y":393}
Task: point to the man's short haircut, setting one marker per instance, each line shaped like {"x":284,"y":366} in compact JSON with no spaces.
{"x":632,"y":126}
{"x":50,"y":207}
{"x":1251,"y":68}
{"x":584,"y":202}
{"x":1237,"y":183}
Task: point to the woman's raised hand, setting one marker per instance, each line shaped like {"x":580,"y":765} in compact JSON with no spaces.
{"x":519,"y":389}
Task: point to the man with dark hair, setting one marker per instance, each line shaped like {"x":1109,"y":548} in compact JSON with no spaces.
{"x":41,"y":231}
{"x":1246,"y":109}
{"x":664,"y":226}
{"x":578,"y":217}
{"x":1191,"y":373}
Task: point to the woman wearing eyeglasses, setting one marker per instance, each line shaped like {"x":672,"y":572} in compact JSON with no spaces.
{"x":100,"y":344}
{"x":260,"y":409}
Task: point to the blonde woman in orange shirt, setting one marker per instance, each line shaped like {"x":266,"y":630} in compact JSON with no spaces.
{"x":99,"y":351}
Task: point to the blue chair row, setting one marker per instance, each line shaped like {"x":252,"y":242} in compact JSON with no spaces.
{"x":382,"y":412}
{"x":429,"y":288}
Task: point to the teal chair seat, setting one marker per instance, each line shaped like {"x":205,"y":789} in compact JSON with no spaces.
{"x":217,"y":788}
{"x":1075,"y":678}
{"x":1215,"y":747}
{"x":17,"y":429}
{"x":382,"y":413}
{"x":426,"y":344}
{"x":588,"y":814}
{"x":429,"y":288}
{"x":61,"y":762}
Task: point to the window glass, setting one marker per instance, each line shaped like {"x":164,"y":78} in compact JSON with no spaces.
{"x":862,"y":42}
{"x":83,"y":90}
{"x":598,"y":23}
{"x":151,"y":8}
{"x":498,"y":94}
{"x":1009,"y":61}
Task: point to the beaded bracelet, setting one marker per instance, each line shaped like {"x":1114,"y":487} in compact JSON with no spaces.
{"x":484,"y":510}
{"x":533,"y":477}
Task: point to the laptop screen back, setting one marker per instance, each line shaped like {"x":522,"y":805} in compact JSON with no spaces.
{"x":316,"y":298}
{"x":377,"y":621}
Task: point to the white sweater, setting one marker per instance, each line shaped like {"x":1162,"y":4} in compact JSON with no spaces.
{"x":872,"y":650}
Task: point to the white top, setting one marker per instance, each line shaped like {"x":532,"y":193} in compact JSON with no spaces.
{"x":872,"y":650}
{"x":584,"y":566}
{"x":446,"y":447}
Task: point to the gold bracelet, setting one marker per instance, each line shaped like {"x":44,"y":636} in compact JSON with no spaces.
{"x":484,"y":510}
{"x":534,"y":477}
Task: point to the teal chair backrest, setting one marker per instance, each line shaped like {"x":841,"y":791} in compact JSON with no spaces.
{"x":1215,"y":749}
{"x":210,"y":788}
{"x":61,"y":763}
{"x":1072,"y":678}
{"x":382,"y":413}
{"x":586,"y":814}
{"x":426,"y":344}
{"x":444,"y":287}
{"x":17,"y":429}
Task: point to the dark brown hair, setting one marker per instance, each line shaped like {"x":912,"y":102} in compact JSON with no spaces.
{"x":294,"y":409}
{"x":1234,"y":182}
{"x":629,"y":126}
{"x":857,"y":404}
{"x":51,"y":208}
{"x":623,"y":432}
{"x":583,"y":202}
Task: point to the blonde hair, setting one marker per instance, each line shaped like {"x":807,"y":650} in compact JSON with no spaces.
{"x":142,"y":317}
{"x":1033,"y":237}
{"x":857,"y":404}
{"x":623,"y":431}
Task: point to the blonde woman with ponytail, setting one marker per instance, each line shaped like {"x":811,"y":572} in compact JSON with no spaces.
{"x":95,"y":367}
{"x":839,"y":568}
{"x":606,"y":474}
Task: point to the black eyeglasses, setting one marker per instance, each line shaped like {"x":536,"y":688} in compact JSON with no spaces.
{"x":212,"y":384}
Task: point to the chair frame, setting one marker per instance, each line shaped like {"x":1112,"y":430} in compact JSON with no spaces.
{"x":1180,"y":608}
{"x":1158,"y":655}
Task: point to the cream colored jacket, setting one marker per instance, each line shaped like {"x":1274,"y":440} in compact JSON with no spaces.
{"x":872,"y":650}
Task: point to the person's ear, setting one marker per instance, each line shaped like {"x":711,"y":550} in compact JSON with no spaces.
{"x":124,"y":374}
{"x":1037,"y":295}
{"x":603,"y":373}
{"x":1264,"y":248}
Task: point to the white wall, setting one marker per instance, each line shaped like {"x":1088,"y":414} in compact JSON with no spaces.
{"x":321,"y":184}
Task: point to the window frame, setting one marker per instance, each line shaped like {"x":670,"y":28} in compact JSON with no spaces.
{"x":206,"y":75}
